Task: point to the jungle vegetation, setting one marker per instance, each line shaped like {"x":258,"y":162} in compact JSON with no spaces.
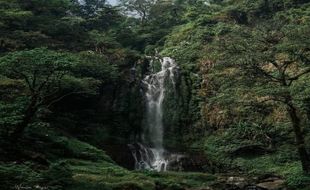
{"x":70,"y":102}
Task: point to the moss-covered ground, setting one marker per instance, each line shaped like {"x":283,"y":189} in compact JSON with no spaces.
{"x":76,"y":165}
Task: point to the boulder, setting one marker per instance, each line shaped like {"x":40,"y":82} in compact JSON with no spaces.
{"x":268,"y":182}
{"x":272,"y":183}
{"x":188,"y":162}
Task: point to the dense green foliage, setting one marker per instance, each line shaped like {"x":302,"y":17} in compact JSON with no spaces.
{"x":71,"y":94}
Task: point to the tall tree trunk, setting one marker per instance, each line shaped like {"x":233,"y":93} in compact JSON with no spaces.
{"x":28,"y":116}
{"x":300,"y":140}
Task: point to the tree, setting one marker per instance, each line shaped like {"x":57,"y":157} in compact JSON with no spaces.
{"x":12,"y":18}
{"x":267,"y":63}
{"x":166,"y":13}
{"x":140,"y":7}
{"x":89,"y":8}
{"x":43,"y":73}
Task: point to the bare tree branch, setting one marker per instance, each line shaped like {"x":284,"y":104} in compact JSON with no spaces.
{"x":26,"y":79}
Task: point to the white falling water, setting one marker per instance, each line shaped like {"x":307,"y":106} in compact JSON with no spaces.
{"x":152,"y":156}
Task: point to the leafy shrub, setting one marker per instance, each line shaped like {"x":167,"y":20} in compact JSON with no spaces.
{"x":12,"y":176}
{"x":297,"y":180}
{"x":57,"y":176}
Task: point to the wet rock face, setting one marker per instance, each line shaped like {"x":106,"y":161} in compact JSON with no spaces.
{"x":190,"y":162}
{"x":173,"y":161}
{"x":122,"y":154}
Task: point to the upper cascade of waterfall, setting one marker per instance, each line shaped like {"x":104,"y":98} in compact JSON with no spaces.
{"x":151,"y":153}
{"x":156,"y":84}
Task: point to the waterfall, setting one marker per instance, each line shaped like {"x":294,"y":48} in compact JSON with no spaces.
{"x":150,"y":154}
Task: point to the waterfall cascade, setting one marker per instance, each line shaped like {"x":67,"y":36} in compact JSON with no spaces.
{"x":150,"y":154}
